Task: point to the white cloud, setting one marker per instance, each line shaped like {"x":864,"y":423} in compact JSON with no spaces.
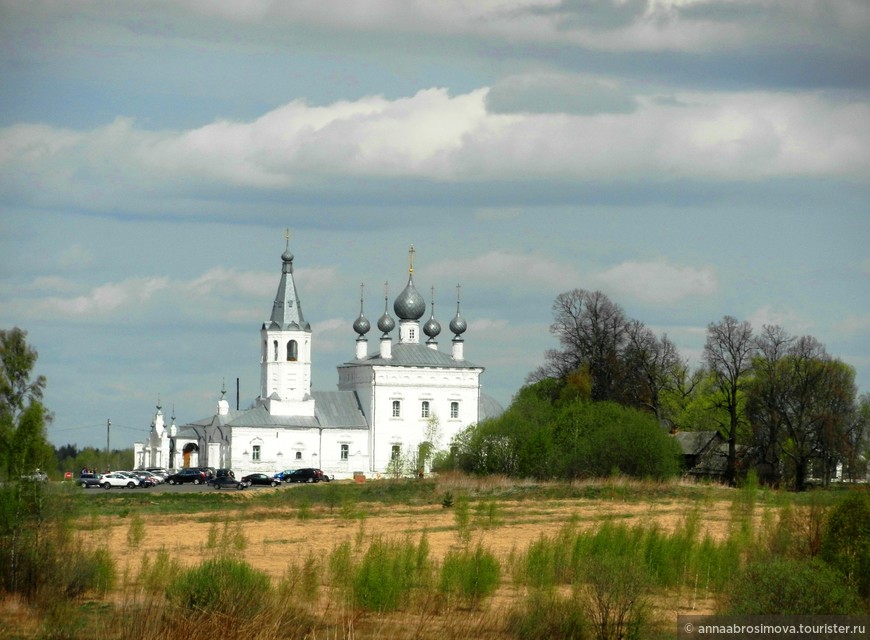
{"x":435,"y":136}
{"x":657,"y":282}
{"x":518,"y":271}
{"x":789,"y":320}
{"x":222,"y":281}
{"x":103,"y":300}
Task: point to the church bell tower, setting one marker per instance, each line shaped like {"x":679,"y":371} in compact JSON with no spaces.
{"x":285,"y":361}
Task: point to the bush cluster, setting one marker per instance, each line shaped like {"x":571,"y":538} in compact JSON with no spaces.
{"x":224,"y":585}
{"x":569,"y":439}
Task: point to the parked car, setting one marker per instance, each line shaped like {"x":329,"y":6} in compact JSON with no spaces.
{"x":118,"y":479}
{"x":183,"y":476}
{"x":36,"y":476}
{"x":160,"y":472}
{"x":227,"y":481}
{"x":146,"y":479}
{"x":260,"y":479}
{"x":209,"y":472}
{"x":88,"y":480}
{"x":305,"y":475}
{"x":282,"y":474}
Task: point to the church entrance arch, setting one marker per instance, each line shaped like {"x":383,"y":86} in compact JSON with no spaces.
{"x":190,"y":453}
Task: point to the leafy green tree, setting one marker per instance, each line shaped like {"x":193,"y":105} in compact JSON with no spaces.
{"x":567,"y":438}
{"x":801,"y":403}
{"x":23,"y":445}
{"x":858,"y":440}
{"x":764,"y":396}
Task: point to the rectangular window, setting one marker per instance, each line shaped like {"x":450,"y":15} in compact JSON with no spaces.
{"x":345,"y":450}
{"x":395,"y":452}
{"x":255,"y":452}
{"x":424,"y":409}
{"x":397,"y":409}
{"x":454,"y":410}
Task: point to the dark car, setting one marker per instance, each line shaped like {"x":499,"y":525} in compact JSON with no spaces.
{"x":88,"y":480}
{"x":196,"y":476}
{"x":305,"y":475}
{"x":227,"y":481}
{"x":260,"y":479}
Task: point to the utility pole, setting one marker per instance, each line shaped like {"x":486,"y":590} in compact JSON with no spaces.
{"x":108,"y":424}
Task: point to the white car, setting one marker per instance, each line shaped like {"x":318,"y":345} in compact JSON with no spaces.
{"x":118,"y":479}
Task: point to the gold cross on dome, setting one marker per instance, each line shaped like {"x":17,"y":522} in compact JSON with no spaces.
{"x":411,"y":253}
{"x":287,"y":236}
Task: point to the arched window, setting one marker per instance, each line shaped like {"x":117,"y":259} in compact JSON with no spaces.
{"x":275,"y":349}
{"x":424,"y":409}
{"x":454,"y":410}
{"x":292,"y":351}
{"x":397,"y":409}
{"x":299,"y":455}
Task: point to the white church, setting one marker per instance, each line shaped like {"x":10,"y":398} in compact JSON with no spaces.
{"x":388,"y":403}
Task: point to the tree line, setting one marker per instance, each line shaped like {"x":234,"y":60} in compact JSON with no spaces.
{"x":782,"y":403}
{"x":24,"y":445}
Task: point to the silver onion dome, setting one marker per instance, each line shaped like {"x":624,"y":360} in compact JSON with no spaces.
{"x":432,"y":327}
{"x":409,"y":305}
{"x":386,"y":322}
{"x":458,"y":324}
{"x":361,"y":325}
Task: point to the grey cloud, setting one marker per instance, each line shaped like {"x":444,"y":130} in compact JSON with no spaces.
{"x":558,"y":93}
{"x":572,"y":14}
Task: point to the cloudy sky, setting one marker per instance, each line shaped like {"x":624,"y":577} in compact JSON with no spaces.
{"x":689,"y":158}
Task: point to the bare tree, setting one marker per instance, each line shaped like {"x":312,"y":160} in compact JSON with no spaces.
{"x":728,"y":353}
{"x":592,"y":333}
{"x":655,"y":367}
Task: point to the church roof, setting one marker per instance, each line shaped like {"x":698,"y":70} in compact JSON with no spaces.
{"x":488,"y":407}
{"x":414,"y":355}
{"x":339,"y":409}
{"x":332,"y":409}
{"x":259,"y":417}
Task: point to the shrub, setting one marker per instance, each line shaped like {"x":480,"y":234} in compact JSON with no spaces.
{"x":155,"y":577}
{"x":222,"y":585}
{"x":546,"y":615}
{"x":470,"y":575}
{"x":846,"y":540}
{"x":615,"y":598}
{"x":388,"y":574}
{"x":785,"y":586}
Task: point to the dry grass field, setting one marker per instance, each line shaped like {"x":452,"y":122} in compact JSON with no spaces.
{"x":291,"y":534}
{"x":278,"y":539}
